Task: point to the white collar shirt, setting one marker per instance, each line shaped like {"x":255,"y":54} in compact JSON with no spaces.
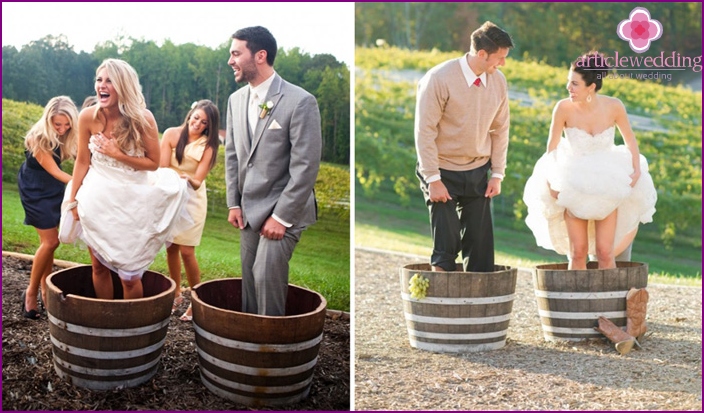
{"x":257,"y":95}
{"x":469,"y":75}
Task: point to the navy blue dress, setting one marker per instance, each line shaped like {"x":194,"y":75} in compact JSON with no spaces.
{"x":41,"y":194}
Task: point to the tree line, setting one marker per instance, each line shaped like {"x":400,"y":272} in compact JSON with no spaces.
{"x":173,"y":77}
{"x":553,"y":32}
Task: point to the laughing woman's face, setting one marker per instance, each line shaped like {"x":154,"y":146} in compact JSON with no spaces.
{"x":107,"y":95}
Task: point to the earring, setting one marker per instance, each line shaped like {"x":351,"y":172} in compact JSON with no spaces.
{"x":589,"y":98}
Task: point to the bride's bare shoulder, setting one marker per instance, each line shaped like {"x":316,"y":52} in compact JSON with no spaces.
{"x":87,"y":114}
{"x":88,"y":118}
{"x":563,"y":106}
{"x":612,"y":101}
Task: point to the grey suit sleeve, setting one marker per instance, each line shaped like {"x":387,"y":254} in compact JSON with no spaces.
{"x":306,"y":146}
{"x":233,"y":195}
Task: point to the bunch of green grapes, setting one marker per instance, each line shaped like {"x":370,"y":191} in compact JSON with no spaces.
{"x":418,"y":286}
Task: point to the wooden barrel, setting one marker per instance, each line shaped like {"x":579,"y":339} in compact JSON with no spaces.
{"x":571,"y":301}
{"x":105,"y":344}
{"x":462,"y":311}
{"x":252,"y":359}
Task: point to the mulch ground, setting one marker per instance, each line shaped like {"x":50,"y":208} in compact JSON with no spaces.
{"x":29,"y":381}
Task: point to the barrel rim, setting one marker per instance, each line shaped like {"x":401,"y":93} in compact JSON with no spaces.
{"x":507,"y":268}
{"x":124,"y":301}
{"x":547,"y":267}
{"x":321,"y":308}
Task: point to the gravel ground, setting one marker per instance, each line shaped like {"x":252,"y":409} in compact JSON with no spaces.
{"x":29,"y":381}
{"x":529,"y":373}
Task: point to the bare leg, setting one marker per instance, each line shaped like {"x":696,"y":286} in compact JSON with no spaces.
{"x":173,"y":259}
{"x":190,"y":263}
{"x":41,"y":266}
{"x":579,"y":241}
{"x":622,"y":251}
{"x":132,"y":289}
{"x":605,"y":233}
{"x":102,"y":280}
{"x":436,"y":268}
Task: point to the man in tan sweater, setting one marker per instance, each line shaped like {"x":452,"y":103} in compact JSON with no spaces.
{"x":461,"y":133}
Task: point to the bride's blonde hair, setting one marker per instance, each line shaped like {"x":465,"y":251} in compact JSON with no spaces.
{"x":42,"y":137}
{"x":129,"y":133}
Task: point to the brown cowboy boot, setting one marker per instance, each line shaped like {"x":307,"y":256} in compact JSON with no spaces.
{"x":636,"y":305}
{"x":624,"y":341}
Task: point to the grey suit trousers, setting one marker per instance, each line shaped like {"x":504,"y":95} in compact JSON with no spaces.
{"x":265,"y":270}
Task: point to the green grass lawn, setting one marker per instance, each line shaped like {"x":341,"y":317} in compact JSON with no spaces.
{"x":386,"y":225}
{"x":321,"y":261}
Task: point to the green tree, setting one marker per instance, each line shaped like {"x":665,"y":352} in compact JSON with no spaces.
{"x":334,"y":102}
{"x":11,"y":72}
{"x":43,"y":69}
{"x":289,"y":65}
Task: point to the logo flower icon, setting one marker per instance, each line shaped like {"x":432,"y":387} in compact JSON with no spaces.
{"x":639,"y":30}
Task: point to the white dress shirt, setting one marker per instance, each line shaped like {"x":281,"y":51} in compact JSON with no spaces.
{"x":257,"y":95}
{"x":469,"y":73}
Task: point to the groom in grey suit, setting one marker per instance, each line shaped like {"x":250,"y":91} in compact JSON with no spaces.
{"x":272,"y":156}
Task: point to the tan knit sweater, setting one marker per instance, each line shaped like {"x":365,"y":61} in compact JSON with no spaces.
{"x":458,"y":127}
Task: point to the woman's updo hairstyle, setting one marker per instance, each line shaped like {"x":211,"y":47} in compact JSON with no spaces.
{"x":592,"y":67}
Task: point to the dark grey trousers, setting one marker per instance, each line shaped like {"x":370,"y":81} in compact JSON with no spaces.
{"x":463,"y":224}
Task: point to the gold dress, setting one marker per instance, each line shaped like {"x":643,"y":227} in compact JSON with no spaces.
{"x":197,"y":206}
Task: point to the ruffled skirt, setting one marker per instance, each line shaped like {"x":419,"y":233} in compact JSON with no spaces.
{"x":590,"y":187}
{"x":128,"y":216}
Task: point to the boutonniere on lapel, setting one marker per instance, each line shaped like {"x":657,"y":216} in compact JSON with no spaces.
{"x":266,"y":108}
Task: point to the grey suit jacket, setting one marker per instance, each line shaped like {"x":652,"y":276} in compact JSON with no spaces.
{"x":276,"y":171}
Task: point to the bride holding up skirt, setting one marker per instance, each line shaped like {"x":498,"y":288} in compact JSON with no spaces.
{"x":588,"y":195}
{"x":128,"y":215}
{"x":592,"y":178}
{"x":128,"y":207}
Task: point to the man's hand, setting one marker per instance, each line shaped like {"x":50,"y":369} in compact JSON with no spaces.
{"x":234,"y":217}
{"x":438,"y":192}
{"x":272,"y":229}
{"x":493,"y":188}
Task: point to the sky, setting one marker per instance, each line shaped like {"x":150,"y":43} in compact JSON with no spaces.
{"x":315,"y":28}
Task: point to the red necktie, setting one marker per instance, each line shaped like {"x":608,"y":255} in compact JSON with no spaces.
{"x":477,"y":82}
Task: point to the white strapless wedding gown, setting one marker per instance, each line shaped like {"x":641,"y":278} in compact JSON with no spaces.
{"x":591,"y":175}
{"x":128,"y":215}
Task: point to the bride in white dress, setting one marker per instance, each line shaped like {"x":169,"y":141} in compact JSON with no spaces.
{"x":587,"y":195}
{"x":127,"y":207}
